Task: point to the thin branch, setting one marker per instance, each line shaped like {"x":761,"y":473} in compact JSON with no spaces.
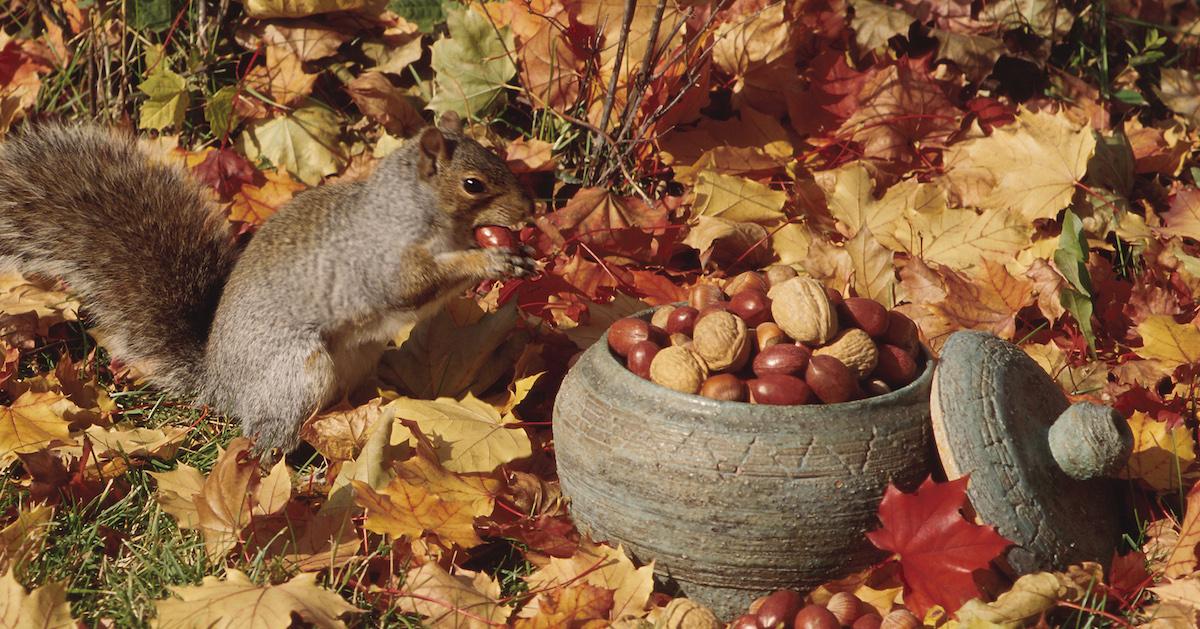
{"x":610,"y":96}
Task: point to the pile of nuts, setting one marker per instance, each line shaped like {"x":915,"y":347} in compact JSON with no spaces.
{"x":785,"y":609}
{"x":772,"y":338}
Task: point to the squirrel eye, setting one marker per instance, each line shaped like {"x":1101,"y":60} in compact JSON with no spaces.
{"x":473,"y":185}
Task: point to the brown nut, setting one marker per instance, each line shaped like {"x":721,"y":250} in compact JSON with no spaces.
{"x":745,"y":621}
{"x":778,"y":274}
{"x":744,"y":281}
{"x":779,"y":389}
{"x":682,"y":613}
{"x":815,"y":617}
{"x":900,"y":619}
{"x":835,"y":297}
{"x":752,"y":305}
{"x":867,"y":314}
{"x":786,"y":359}
{"x":844,"y":606}
{"x":780,"y":607}
{"x":867,"y":621}
{"x":719,"y":306}
{"x":661,"y":316}
{"x":624,"y":333}
{"x":640,"y":356}
{"x":802,"y":309}
{"x":896,"y":366}
{"x":768,"y":334}
{"x":682,"y":320}
{"x":855,"y":349}
{"x":678,"y":368}
{"x":724,"y":386}
{"x":680,"y":340}
{"x":830,"y":380}
{"x":722,"y":341}
{"x":875,"y":386}
{"x":902,"y":332}
{"x":703,"y":294}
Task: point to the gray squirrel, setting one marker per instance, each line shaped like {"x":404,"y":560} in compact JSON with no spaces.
{"x":274,"y":332}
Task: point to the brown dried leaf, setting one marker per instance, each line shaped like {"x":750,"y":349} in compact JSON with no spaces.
{"x":460,"y":601}
{"x":237,"y":601}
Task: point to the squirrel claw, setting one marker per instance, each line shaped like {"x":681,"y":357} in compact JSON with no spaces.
{"x":506,"y":263}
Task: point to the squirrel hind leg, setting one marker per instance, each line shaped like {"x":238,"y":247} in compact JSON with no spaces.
{"x":275,"y":402}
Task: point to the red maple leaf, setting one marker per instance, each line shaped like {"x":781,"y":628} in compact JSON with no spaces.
{"x":937,"y":547}
{"x":225,"y":171}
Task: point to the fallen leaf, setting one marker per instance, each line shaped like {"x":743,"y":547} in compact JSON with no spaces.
{"x":459,"y":601}
{"x":303,"y":8}
{"x":604,"y":567}
{"x":1182,"y":560}
{"x":177,"y":491}
{"x":236,"y":601}
{"x":1031,"y":166}
{"x":1161,"y":454}
{"x":1180,"y":91}
{"x":31,"y":422}
{"x":305,"y":142}
{"x":167,"y":99}
{"x":472,"y":65}
{"x":44,"y":608}
{"x":252,"y":204}
{"x":22,"y":538}
{"x":385,"y":103}
{"x":569,"y":607}
{"x":937,"y":547}
{"x":224,"y":504}
{"x":470,"y":434}
{"x":1171,"y":343}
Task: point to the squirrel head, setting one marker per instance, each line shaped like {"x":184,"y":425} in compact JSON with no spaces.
{"x":472,"y":184}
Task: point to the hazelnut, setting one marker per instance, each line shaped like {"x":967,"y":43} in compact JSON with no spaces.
{"x":768,"y":334}
{"x":744,"y":281}
{"x":724,"y":386}
{"x":900,"y":619}
{"x":661,"y":316}
{"x":844,"y":606}
{"x":678,"y":368}
{"x":703,"y":294}
{"x":815,"y":617}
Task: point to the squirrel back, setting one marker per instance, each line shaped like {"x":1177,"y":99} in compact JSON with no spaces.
{"x":89,"y":206}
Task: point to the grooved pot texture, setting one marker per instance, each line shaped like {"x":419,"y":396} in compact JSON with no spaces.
{"x":733,"y":500}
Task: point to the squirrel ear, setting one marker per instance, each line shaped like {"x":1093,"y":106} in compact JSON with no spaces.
{"x":451,"y":122}
{"x":434,"y":147}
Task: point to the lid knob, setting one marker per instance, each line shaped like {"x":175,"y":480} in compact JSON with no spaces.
{"x":1090,"y":441}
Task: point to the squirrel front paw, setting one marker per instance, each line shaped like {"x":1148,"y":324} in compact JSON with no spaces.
{"x":504,"y":263}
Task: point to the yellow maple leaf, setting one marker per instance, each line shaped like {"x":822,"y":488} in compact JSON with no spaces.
{"x":425,"y":497}
{"x":1171,"y":343}
{"x":224,"y":505}
{"x":33,"y":421}
{"x":23,"y":537}
{"x":464,"y":600}
{"x":1074,"y":380}
{"x":470,"y":434}
{"x":254,"y":204}
{"x":873,"y":268}
{"x":570,"y":606}
{"x":176,"y":494}
{"x":1161,"y":455}
{"x":602,"y":566}
{"x":849,"y":192}
{"x":236,"y":601}
{"x":960,"y":238}
{"x":1031,"y":166}
{"x":1182,"y":559}
{"x":737,"y":199}
{"x":44,"y":608}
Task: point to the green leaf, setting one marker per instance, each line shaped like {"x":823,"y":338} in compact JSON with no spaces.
{"x":167,"y":102}
{"x":426,"y":14}
{"x":1130,"y":97}
{"x":305,"y":142}
{"x":472,"y":66}
{"x":155,"y":15}
{"x":1071,"y":260}
{"x":218,"y":111}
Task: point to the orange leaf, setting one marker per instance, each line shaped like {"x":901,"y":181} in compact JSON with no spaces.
{"x":1182,"y":560}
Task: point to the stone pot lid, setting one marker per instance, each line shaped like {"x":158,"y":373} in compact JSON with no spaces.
{"x":1038,"y":464}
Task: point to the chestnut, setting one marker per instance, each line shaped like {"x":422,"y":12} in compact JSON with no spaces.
{"x":495,"y":236}
{"x":752,"y":305}
{"x":779,"y":389}
{"x":724,"y":386}
{"x":640,"y":356}
{"x":830,"y":380}
{"x":866,"y":314}
{"x":784,"y":358}
{"x":682,"y":321}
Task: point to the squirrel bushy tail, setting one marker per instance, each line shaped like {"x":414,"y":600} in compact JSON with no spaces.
{"x":89,"y":206}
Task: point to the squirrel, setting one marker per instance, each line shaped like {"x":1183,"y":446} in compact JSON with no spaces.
{"x":275,"y":331}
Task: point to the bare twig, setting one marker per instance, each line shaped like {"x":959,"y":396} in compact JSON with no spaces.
{"x":610,"y":96}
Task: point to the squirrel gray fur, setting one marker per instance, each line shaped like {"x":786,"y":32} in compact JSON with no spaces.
{"x":274,"y":332}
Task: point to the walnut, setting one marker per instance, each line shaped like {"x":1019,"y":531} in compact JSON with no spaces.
{"x":801,"y":307}
{"x":678,"y":368}
{"x":722,"y":340}
{"x":855,"y":349}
